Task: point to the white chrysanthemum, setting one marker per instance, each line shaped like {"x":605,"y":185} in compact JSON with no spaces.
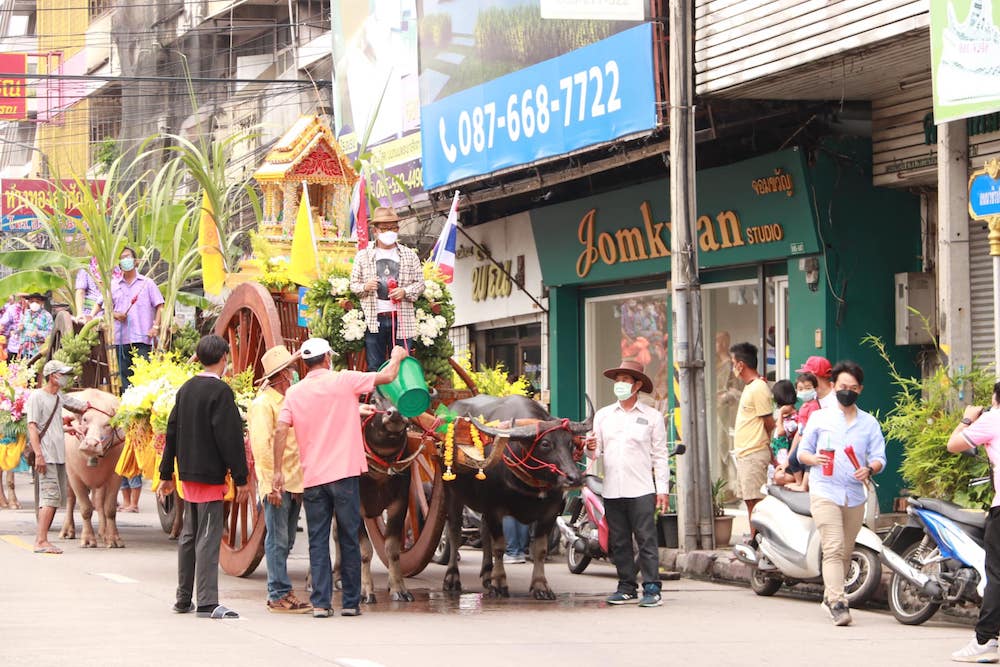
{"x":340,"y":286}
{"x":353,"y":325}
{"x":433,"y":290}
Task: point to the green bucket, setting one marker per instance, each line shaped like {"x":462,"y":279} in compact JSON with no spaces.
{"x":408,"y":392}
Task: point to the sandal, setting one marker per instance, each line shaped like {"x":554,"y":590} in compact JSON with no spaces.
{"x":220,"y":612}
{"x":51,"y":549}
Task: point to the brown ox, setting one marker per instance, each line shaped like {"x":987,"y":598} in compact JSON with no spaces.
{"x":90,"y":440}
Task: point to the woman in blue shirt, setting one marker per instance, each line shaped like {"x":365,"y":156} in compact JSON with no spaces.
{"x":837,"y":500}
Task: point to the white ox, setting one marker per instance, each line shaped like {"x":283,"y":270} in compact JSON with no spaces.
{"x":89,"y":439}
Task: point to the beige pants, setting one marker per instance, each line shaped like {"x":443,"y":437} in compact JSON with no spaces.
{"x":838,"y":526}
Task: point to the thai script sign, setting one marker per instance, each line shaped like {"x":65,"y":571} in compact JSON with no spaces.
{"x":19,"y":195}
{"x":13,"y":102}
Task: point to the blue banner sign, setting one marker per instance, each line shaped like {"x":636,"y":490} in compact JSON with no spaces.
{"x":588,"y":96}
{"x":303,"y":310}
{"x":984,"y":196}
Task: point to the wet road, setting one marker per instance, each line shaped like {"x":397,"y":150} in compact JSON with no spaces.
{"x":110,"y":607}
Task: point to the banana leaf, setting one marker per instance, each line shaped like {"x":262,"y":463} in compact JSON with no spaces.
{"x":23,"y":260}
{"x":31,"y":280}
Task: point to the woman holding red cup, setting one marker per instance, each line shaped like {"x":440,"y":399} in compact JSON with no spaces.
{"x":847,"y":445}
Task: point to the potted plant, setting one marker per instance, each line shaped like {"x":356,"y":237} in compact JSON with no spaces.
{"x":723,"y":522}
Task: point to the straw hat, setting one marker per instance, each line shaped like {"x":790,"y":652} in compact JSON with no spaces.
{"x":635,"y":369}
{"x":275,"y":360}
{"x":383,"y":214}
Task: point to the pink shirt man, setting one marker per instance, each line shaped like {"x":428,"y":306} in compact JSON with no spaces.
{"x":329,"y":448}
{"x":985,"y":431}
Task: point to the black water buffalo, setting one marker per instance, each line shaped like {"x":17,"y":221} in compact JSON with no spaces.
{"x":385,"y":488}
{"x":527,"y":483}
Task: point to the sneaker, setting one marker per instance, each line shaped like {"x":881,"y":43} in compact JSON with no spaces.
{"x":350,"y":611}
{"x":976,"y":652}
{"x":513,"y":560}
{"x":288,"y":605}
{"x":650,"y":600}
{"x":622,"y":598}
{"x":840,"y":613}
{"x":322,"y":613}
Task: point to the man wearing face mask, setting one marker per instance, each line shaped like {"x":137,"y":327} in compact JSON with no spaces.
{"x":837,"y":500}
{"x":753,"y":428}
{"x":138,"y":304}
{"x":45,"y":435}
{"x":35,"y":326}
{"x":632,"y":439}
{"x":388,"y":278}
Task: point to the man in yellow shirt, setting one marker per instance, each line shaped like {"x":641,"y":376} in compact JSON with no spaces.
{"x":754,"y":424}
{"x":281,"y":509}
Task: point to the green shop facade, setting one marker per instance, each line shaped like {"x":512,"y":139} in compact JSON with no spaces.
{"x":797,"y":255}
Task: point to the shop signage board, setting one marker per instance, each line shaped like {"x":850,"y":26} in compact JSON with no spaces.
{"x":13,"y":100}
{"x":482,"y":291}
{"x":17,"y":195}
{"x":965,"y":50}
{"x":500,"y":87}
{"x":984,"y":193}
{"x":749,"y":212}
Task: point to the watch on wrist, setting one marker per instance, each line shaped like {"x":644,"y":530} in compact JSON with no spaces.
{"x":871,"y":471}
{"x":966,"y":421}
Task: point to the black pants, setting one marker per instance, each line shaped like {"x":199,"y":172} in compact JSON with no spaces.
{"x":126,"y":356}
{"x":628,"y":517}
{"x":988,"y":625}
{"x":198,"y":554}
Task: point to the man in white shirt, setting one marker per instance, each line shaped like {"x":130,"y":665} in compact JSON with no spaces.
{"x":632,"y":438}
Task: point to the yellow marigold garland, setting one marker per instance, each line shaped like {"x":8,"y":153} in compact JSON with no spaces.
{"x":478,"y":442}
{"x":449,"y":452}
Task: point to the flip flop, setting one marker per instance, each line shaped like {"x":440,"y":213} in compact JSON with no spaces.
{"x":220,"y":612}
{"x":48,"y":550}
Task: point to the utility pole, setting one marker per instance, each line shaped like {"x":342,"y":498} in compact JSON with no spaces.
{"x":695,"y":498}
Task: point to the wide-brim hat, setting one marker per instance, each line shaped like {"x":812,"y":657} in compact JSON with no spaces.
{"x":636,"y":370}
{"x":275,"y":360}
{"x":383,"y":214}
{"x":35,"y":295}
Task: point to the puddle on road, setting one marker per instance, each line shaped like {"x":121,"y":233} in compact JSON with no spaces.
{"x":466,"y":604}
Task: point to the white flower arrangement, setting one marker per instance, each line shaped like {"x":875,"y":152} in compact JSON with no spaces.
{"x":340,"y":286}
{"x":140,"y":398}
{"x":353,"y":325}
{"x":433,"y":290}
{"x":429,"y":326}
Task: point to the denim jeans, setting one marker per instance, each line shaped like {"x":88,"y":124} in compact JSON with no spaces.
{"x":378,"y":345}
{"x":322,"y":503}
{"x":278,"y":542}
{"x":515,"y":534}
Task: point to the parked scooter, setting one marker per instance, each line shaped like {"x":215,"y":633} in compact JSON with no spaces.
{"x":788,"y":547}
{"x":937,"y":559}
{"x":586,"y":532}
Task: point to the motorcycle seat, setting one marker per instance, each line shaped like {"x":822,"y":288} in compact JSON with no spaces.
{"x":595,"y":484}
{"x":952,"y":511}
{"x":797,"y":501}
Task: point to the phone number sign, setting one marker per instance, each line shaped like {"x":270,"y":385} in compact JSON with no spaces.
{"x":591,"y":95}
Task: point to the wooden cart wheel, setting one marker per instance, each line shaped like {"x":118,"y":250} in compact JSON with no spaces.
{"x":425,"y":517}
{"x":249,"y":322}
{"x":95,"y":369}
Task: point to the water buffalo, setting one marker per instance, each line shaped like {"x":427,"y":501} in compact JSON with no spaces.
{"x":527,"y":483}
{"x":385,"y":488}
{"x":92,"y":450}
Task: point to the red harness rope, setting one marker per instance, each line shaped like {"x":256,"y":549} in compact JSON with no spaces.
{"x":368,"y":450}
{"x":529,"y":461}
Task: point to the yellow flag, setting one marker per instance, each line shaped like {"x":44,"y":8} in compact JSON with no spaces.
{"x":303,"y":267}
{"x":213,"y":268}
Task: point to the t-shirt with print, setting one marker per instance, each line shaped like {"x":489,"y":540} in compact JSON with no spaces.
{"x":38,"y":409}
{"x":756,"y":402}
{"x":386,"y":268}
{"x":985,"y":431}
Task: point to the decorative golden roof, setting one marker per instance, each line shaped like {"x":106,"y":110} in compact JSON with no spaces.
{"x":307,"y":152}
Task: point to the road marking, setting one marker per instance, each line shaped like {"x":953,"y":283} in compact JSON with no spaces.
{"x":117,"y":578}
{"x":16,"y":541}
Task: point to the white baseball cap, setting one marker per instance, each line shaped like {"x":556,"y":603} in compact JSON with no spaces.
{"x":315,"y":347}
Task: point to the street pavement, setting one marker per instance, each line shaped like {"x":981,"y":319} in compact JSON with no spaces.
{"x":110,"y":607}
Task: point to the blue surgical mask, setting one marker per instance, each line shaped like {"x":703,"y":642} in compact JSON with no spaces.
{"x":623,"y":390}
{"x":806,"y":396}
{"x":127,"y":263}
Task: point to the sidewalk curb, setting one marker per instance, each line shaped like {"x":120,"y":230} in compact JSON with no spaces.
{"x":722,"y":566}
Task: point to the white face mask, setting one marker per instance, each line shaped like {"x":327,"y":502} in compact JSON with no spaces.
{"x":387,"y":238}
{"x":623,"y":390}
{"x":34,"y":307}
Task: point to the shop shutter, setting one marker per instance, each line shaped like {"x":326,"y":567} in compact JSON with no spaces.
{"x":981,"y":278}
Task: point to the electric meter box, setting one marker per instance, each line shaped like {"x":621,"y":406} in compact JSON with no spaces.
{"x":915,"y":291}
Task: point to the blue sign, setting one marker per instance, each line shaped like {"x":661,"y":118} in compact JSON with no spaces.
{"x":591,"y":95}
{"x":303,"y":310}
{"x":984,"y":196}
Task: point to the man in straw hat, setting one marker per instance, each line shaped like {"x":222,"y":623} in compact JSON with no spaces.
{"x":281,"y":509}
{"x":388,"y":278}
{"x":632,"y":439}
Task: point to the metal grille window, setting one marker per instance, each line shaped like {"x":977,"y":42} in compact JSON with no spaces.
{"x":105,"y":126}
{"x":98,"y":7}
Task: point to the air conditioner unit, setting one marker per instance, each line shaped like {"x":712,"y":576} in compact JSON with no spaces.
{"x":915,"y":292}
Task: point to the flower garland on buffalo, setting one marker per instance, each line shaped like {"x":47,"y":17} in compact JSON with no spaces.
{"x":334,"y":313}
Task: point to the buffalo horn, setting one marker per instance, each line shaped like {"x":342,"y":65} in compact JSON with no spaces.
{"x":580,"y":428}
{"x":518,"y":432}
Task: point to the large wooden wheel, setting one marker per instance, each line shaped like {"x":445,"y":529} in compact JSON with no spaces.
{"x":249,"y":321}
{"x":425,"y":517}
{"x":96,"y":372}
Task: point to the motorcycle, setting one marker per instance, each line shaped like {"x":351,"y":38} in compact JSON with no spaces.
{"x":937,"y":559}
{"x":788,"y":547}
{"x":585,"y":534}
